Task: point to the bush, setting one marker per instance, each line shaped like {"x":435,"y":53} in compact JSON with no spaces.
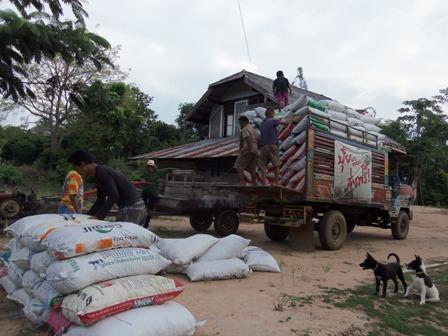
{"x":9,"y":174}
{"x":122,"y":166}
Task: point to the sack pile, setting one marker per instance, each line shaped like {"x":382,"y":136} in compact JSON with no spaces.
{"x":75,"y":272}
{"x":327,"y":115}
{"x":204,"y":257}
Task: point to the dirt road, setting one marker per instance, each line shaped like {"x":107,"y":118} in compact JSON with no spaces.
{"x":246,"y":307}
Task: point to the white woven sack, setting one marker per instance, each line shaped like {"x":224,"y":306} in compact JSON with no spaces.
{"x":372,"y":128}
{"x":20,"y":226}
{"x":8,"y":285}
{"x":261,"y":112}
{"x":301,"y":126}
{"x":183,"y":251}
{"x":299,"y":165}
{"x":75,"y":240}
{"x":302,"y":111}
{"x":15,"y":274}
{"x":339,"y":133}
{"x":334,"y":105}
{"x":14,"y":245}
{"x":357,"y":131}
{"x":228,"y":247}
{"x":259,"y":260}
{"x":33,"y":237}
{"x":35,"y":307}
{"x":37,"y":319}
{"x":218,"y":270}
{"x":368,"y":119}
{"x":249,"y":114}
{"x":297,"y":104}
{"x":103,"y":299}
{"x":337,"y":115}
{"x":40,"y":262}
{"x":287,"y":143}
{"x":355,"y":122}
{"x":20,"y":296}
{"x":30,"y":280}
{"x":351,"y":113}
{"x":299,"y":139}
{"x":170,"y":319}
{"x":339,"y":125}
{"x":22,"y":258}
{"x":318,"y":113}
{"x":74,"y":274}
{"x":45,"y":293}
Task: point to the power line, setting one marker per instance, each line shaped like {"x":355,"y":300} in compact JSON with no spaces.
{"x":245,"y":35}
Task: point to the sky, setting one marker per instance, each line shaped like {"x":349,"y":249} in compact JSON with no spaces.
{"x":361,"y":53}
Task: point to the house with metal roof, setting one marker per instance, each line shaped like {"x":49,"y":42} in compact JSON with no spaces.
{"x":220,"y":107}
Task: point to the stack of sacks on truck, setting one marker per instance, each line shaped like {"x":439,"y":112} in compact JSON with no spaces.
{"x":203,"y":257}
{"x":75,"y":272}
{"x":326,"y":115}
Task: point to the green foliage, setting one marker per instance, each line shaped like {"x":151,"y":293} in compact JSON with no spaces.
{"x":9,"y":174}
{"x":35,"y":36}
{"x":189,"y":131}
{"x":19,"y":146}
{"x":120,"y":123}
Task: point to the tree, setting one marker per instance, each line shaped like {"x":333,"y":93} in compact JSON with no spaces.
{"x":119,"y":121}
{"x":189,"y":131}
{"x":57,"y":84}
{"x":39,"y":35}
{"x":426,"y":129}
{"x":19,"y":146}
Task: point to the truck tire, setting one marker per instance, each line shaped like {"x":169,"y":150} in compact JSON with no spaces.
{"x":226,"y":223}
{"x":276,"y":232}
{"x":332,"y":230}
{"x":400,"y":227}
{"x":201,"y":221}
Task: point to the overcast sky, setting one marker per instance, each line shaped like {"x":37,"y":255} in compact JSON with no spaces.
{"x":361,"y":53}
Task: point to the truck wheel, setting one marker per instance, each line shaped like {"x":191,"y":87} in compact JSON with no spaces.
{"x":226,"y":223}
{"x":332,"y":230}
{"x":201,"y":222}
{"x":400,"y":227}
{"x":276,"y":232}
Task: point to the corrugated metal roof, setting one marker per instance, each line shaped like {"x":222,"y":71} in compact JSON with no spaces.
{"x":210,"y":148}
{"x":259,"y":83}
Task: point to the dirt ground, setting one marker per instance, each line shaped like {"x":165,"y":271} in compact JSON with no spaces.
{"x":246,"y":307}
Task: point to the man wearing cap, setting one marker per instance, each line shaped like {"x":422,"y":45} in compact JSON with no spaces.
{"x":150,"y":193}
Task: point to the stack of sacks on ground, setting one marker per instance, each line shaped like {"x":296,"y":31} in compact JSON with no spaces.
{"x":327,"y":115}
{"x":204,"y":257}
{"x":76,"y":272}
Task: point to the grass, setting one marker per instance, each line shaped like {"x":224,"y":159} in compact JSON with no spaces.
{"x":390,"y":316}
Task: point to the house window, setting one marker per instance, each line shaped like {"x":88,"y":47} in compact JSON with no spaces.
{"x":215,"y":124}
{"x":240,"y":107}
{"x":229,"y":123}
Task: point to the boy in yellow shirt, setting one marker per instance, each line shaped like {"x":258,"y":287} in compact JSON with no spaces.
{"x":72,"y":194}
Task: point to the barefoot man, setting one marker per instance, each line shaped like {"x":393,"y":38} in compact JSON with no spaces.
{"x":248,"y":158}
{"x":269,"y":145}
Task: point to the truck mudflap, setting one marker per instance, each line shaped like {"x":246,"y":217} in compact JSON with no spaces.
{"x":297,"y":220}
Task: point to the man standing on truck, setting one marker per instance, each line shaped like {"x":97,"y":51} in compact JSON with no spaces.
{"x":269,"y":151}
{"x":112,"y":188}
{"x":248,"y":158}
{"x":281,"y":88}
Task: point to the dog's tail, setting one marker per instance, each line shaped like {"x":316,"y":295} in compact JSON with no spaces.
{"x":393,"y":254}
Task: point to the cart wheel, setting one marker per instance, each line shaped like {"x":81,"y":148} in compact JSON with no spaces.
{"x":400,"y":227}
{"x":9,"y":209}
{"x":201,"y":221}
{"x":226,"y":223}
{"x":276,"y":232}
{"x":332,"y":230}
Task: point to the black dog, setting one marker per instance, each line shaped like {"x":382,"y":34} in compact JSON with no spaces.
{"x":384,"y":272}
